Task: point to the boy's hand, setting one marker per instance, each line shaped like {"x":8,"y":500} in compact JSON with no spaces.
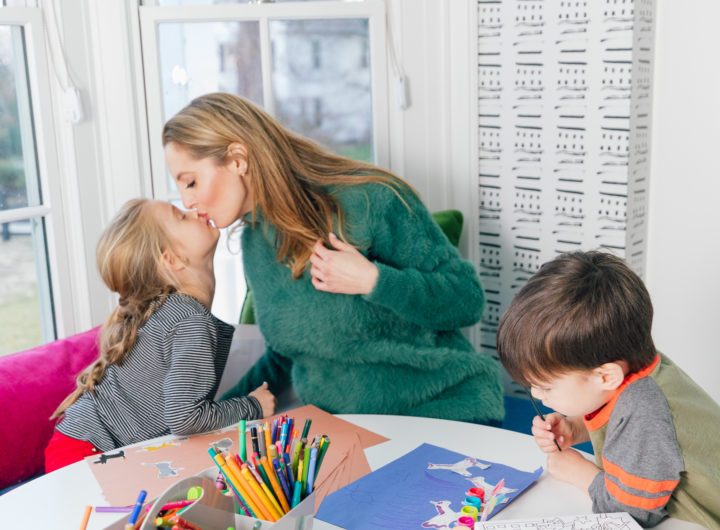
{"x":555,"y":427}
{"x":266,"y":399}
{"x":570,"y":466}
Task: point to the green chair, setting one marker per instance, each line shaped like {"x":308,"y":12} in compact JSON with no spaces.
{"x":450,"y":221}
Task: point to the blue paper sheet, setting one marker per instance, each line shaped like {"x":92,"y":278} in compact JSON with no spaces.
{"x":423,"y":489}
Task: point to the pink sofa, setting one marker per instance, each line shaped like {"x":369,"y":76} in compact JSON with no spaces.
{"x":32,"y":385}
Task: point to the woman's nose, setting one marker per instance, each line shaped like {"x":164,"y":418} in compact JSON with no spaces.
{"x":187,"y":201}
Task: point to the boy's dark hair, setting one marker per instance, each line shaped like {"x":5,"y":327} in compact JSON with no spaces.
{"x":579,"y":311}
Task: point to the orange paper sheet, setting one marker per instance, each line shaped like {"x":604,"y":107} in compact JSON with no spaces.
{"x":155,"y":466}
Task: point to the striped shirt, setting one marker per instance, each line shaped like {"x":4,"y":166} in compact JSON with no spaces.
{"x":165,"y":385}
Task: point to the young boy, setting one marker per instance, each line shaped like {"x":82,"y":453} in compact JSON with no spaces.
{"x":578,"y":333}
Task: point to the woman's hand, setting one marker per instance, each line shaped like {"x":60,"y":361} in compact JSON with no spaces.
{"x":343,"y":270}
{"x":266,"y":399}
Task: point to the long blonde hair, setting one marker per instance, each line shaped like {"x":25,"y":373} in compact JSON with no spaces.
{"x":128,"y":258}
{"x":289,"y":174}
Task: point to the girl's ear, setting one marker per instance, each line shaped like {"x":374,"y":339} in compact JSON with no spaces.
{"x":611,"y":375}
{"x":171,"y":261}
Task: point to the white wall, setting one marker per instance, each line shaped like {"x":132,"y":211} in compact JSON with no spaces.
{"x":684,"y":217}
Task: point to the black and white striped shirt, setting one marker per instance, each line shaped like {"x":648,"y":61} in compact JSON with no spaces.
{"x":165,"y":385}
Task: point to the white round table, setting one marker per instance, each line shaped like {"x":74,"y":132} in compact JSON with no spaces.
{"x":57,"y":500}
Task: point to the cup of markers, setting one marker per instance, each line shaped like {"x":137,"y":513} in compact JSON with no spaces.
{"x":276,"y":472}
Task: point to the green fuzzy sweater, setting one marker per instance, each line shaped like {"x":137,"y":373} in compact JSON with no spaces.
{"x":397,"y":350}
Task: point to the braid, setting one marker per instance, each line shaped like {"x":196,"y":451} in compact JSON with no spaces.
{"x":128,"y":258}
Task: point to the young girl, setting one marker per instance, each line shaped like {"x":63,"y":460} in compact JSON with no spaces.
{"x":162,"y":352}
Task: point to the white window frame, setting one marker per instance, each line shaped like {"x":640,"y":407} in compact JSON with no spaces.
{"x":59,"y":309}
{"x":151,"y":17}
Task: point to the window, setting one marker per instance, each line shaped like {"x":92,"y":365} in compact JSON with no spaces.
{"x":273,"y":54}
{"x":30,"y":220}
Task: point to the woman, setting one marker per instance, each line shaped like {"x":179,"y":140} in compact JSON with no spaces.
{"x":365,"y":321}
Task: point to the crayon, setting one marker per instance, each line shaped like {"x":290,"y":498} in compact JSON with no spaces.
{"x":241,"y":440}
{"x":275,"y":485}
{"x":86,"y":517}
{"x":311,"y":471}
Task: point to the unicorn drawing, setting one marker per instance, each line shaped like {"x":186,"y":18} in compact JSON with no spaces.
{"x":461,"y":467}
{"x":445,"y":516}
{"x":165,"y":469}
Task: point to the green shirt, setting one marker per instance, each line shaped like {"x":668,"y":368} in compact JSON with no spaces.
{"x":396,"y":350}
{"x":658,"y":442}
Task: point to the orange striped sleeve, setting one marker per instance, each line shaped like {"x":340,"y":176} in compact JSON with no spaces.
{"x":638,"y":483}
{"x":636,"y":501}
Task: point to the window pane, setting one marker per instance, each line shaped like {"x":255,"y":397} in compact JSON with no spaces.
{"x":321,"y":82}
{"x":18,"y":169}
{"x":26,"y":320}
{"x":201,"y":57}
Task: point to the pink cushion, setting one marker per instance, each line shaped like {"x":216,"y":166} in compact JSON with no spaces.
{"x":32,"y":385}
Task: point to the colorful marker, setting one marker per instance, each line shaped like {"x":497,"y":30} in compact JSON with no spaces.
{"x":296,"y":493}
{"x":86,"y":517}
{"x":311,"y":471}
{"x":241,"y":440}
{"x":136,"y":509}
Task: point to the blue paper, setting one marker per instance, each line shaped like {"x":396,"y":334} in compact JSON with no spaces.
{"x":423,"y":489}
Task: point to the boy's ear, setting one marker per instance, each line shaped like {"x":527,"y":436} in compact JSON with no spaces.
{"x":611,"y":375}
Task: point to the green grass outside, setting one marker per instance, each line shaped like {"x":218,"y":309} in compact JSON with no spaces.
{"x":20,"y":327}
{"x":362,"y":153}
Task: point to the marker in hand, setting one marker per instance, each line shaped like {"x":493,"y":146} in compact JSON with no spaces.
{"x":537,"y":409}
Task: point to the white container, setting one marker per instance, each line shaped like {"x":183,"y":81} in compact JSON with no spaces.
{"x":215,"y":511}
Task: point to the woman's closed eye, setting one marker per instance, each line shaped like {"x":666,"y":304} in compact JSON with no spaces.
{"x":190,"y":184}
